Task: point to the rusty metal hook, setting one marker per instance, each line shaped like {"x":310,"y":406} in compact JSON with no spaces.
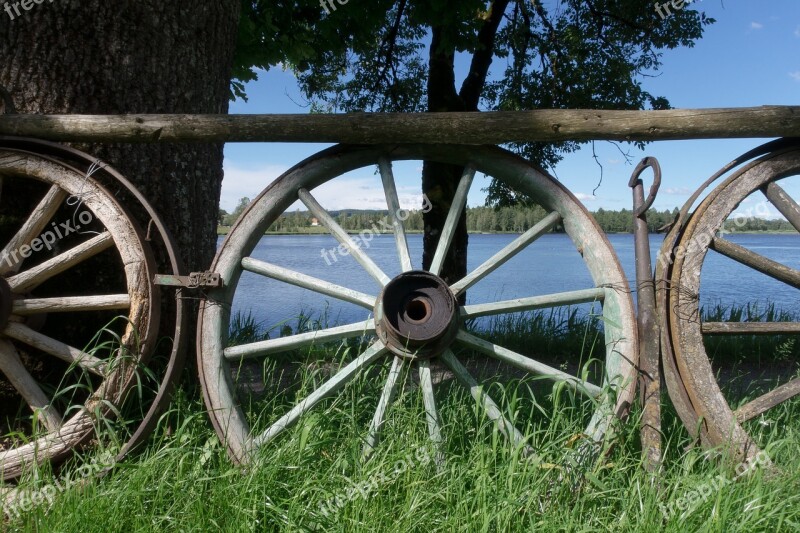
{"x":8,"y":101}
{"x":644,"y":164}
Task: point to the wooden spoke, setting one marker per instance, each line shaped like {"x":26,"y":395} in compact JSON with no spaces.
{"x":37,"y":275}
{"x":341,"y":235}
{"x":308,"y":282}
{"x":11,"y":365}
{"x":333,"y":385}
{"x":750,"y":328}
{"x":71,"y":304}
{"x":492,"y":410}
{"x":766,"y":402}
{"x":534,"y":302}
{"x":512,"y":249}
{"x":758,"y":262}
{"x":390,"y":190}
{"x":431,"y":413}
{"x":527,"y":364}
{"x":783,"y":203}
{"x":386,"y":399}
{"x":302,"y":340}
{"x":449,"y":230}
{"x":67,"y":353}
{"x":10,"y":258}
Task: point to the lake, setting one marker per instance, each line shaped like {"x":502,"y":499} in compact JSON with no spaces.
{"x":549,"y":265}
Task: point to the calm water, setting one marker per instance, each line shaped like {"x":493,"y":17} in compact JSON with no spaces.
{"x":550,"y":265}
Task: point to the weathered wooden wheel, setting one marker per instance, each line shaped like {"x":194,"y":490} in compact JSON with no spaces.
{"x":693,"y":380}
{"x":416,"y":315}
{"x":58,"y":225}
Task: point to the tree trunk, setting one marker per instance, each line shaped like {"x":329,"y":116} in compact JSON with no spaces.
{"x":439,"y":181}
{"x":126,"y":56}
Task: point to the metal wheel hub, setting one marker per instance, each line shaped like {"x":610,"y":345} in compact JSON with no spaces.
{"x":416,"y":315}
{"x":5,"y":303}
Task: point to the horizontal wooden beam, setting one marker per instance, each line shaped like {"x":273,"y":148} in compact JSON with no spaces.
{"x":441,"y":128}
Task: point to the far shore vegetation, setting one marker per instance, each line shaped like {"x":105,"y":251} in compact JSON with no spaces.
{"x":516,"y":219}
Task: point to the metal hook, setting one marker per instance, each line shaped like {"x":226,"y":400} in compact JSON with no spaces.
{"x":644,"y":164}
{"x":8,"y":101}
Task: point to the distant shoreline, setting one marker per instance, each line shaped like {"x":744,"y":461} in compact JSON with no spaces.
{"x":224,"y":230}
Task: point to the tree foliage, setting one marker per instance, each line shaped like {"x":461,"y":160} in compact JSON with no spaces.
{"x":228,"y":219}
{"x":400,"y":55}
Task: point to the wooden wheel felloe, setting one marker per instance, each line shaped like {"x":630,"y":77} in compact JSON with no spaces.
{"x":413,"y":318}
{"x":59,"y":228}
{"x":693,"y":378}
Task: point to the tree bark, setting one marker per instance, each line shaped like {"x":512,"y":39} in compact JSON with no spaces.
{"x":126,"y":56}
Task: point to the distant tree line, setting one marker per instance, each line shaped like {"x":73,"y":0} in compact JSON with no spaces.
{"x":514,"y":219}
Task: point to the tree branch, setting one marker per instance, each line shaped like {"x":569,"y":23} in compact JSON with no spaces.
{"x":442,"y":94}
{"x":473,"y":85}
{"x":390,"y":42}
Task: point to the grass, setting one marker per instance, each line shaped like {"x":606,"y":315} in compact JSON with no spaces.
{"x":312,"y":478}
{"x":755,"y":348}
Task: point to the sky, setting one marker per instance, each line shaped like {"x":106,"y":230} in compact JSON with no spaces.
{"x":749,"y":57}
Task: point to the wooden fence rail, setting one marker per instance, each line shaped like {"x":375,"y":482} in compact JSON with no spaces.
{"x":442,"y":128}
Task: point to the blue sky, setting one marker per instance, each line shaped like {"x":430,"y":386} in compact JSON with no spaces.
{"x":749,"y":57}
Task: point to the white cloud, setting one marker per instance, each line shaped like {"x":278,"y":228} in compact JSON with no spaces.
{"x":756,"y":26}
{"x":360,"y":189}
{"x":239,"y":183}
{"x":795,"y":75}
{"x":678,"y":191}
{"x":797,"y":32}
{"x":583,"y":197}
{"x":363,"y":193}
{"x":764,"y":213}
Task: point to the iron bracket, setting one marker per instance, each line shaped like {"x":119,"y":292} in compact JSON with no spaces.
{"x":195,"y":280}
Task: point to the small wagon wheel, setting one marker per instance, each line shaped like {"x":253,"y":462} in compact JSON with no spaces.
{"x":723,"y":419}
{"x":417,"y":319}
{"x":59,"y":224}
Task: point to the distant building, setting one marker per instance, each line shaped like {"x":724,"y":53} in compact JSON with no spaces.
{"x":314,"y":221}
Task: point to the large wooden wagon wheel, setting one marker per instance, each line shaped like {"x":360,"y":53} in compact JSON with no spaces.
{"x":58,"y":226}
{"x":724,"y":417}
{"x":416,"y":317}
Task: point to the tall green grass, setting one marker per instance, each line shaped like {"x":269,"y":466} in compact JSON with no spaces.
{"x":313,"y":478}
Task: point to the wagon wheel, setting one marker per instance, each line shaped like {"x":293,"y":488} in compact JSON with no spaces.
{"x":417,"y":319}
{"x":58,"y":226}
{"x":726,"y":419}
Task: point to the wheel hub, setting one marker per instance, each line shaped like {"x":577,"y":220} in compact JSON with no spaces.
{"x":5,"y":303}
{"x":416,"y":315}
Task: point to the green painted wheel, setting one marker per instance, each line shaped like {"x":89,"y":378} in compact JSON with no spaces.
{"x":414,"y":317}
